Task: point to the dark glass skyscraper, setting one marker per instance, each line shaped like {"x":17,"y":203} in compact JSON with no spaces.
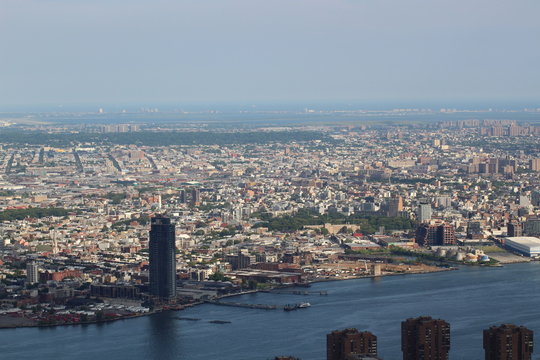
{"x":162,"y":257}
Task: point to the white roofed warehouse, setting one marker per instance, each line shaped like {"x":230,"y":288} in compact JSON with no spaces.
{"x":526,"y":245}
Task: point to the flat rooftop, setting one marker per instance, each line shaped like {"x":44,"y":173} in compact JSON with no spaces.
{"x":529,"y":241}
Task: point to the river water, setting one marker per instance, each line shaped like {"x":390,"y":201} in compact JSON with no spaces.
{"x":470,"y":299}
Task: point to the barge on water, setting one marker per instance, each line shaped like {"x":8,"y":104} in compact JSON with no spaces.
{"x":291,"y":307}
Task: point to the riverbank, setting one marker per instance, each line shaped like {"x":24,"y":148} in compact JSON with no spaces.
{"x":9,"y":322}
{"x":315,"y":281}
{"x":25,"y":318}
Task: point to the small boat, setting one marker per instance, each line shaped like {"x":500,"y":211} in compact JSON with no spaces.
{"x":219,"y":322}
{"x":290,"y":307}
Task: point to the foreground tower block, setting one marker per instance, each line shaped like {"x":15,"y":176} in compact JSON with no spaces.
{"x":425,"y":338}
{"x":508,"y":342}
{"x":341,"y":344}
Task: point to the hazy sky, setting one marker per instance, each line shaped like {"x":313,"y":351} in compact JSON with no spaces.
{"x":108,"y":51}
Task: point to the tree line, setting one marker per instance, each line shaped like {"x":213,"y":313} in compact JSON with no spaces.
{"x":153,"y":138}
{"x":369,"y":224}
{"x":20,"y":214}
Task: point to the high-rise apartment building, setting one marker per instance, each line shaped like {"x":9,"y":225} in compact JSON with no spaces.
{"x":535,"y":198}
{"x":426,"y":234}
{"x":531,"y":227}
{"x":183,"y":197}
{"x":514,"y":229}
{"x":341,"y":345}
{"x":446,"y":235}
{"x":534,"y":164}
{"x":425,"y":338}
{"x":424,"y":212}
{"x":162,"y":257}
{"x":435,"y":234}
{"x":240,"y":260}
{"x":32,"y":273}
{"x":195,"y":196}
{"x":508,"y":342}
{"x":395,"y":206}
{"x":492,"y":166}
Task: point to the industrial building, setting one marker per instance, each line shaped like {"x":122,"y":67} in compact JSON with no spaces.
{"x":526,"y":245}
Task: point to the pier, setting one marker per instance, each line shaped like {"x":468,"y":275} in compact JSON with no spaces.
{"x":243,"y":305}
{"x":296,"y":292}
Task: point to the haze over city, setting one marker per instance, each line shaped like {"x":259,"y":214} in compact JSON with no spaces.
{"x":60,"y":52}
{"x":279,"y":179}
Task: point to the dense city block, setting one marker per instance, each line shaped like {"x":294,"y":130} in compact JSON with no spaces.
{"x":111,"y":221}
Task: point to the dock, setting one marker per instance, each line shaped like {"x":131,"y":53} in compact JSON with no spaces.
{"x":296,"y":292}
{"x":243,"y":305}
